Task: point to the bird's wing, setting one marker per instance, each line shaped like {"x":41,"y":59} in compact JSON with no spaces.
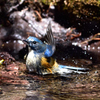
{"x":49,"y":36}
{"x":50,"y":42}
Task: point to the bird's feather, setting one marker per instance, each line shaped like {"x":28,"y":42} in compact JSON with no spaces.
{"x":49,"y":36}
{"x":50,"y":42}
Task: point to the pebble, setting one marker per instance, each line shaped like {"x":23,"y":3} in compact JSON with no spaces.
{"x":31,"y":93}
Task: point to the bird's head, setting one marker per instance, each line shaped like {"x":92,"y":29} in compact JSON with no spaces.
{"x":35,"y":44}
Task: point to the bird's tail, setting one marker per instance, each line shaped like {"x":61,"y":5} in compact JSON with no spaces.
{"x":53,"y":67}
{"x":70,"y":69}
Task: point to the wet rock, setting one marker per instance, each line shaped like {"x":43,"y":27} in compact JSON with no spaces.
{"x":11,"y":77}
{"x":12,"y":92}
{"x":32,"y":93}
{"x":12,"y":67}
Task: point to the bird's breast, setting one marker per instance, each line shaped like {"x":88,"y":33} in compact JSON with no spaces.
{"x":33,"y":61}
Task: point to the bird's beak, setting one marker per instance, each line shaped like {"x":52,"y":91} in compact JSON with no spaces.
{"x":26,"y":42}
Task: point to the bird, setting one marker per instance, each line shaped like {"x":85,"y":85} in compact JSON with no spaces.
{"x":39,"y":58}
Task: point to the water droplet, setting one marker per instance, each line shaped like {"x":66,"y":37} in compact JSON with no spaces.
{"x":14,"y":41}
{"x":96,"y":26}
{"x":93,"y":48}
{"x":79,"y":24}
{"x":29,"y":25}
{"x":79,"y":45}
{"x":82,"y":65}
{"x":63,"y":58}
{"x":96,"y":72}
{"x":90,"y":13}
{"x":75,"y":63}
{"x":85,"y":52}
{"x":88,"y":46}
{"x":85,"y":47}
{"x":7,"y":42}
{"x":90,"y":57}
{"x":98,"y":47}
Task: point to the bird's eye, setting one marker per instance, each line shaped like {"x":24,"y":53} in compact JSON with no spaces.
{"x":34,"y":42}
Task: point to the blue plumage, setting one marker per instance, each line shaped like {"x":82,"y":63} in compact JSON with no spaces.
{"x":31,"y":39}
{"x":72,"y":68}
{"x":49,"y":51}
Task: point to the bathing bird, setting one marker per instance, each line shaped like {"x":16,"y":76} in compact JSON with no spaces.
{"x":39,"y":58}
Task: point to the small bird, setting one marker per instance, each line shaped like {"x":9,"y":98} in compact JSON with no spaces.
{"x":39,"y":58}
